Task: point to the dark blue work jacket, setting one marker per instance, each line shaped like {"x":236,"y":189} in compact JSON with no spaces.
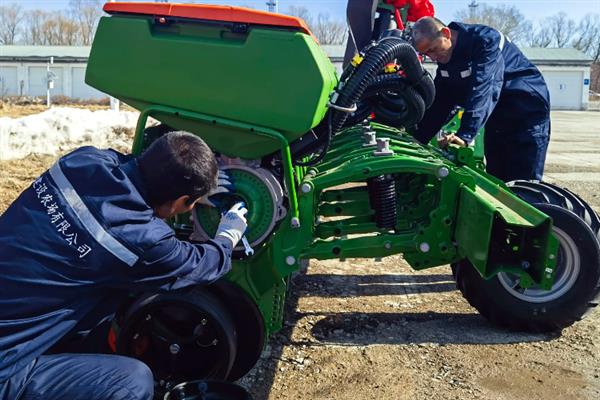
{"x":76,"y":242}
{"x":492,"y":80}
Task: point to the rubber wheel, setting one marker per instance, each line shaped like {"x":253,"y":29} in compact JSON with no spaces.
{"x":547,"y":193}
{"x":183,"y":335}
{"x":249,"y":325}
{"x":575,"y":291}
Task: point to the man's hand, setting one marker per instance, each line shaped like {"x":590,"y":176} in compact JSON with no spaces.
{"x":451,"y":139}
{"x":233,"y":224}
{"x":224,"y":185}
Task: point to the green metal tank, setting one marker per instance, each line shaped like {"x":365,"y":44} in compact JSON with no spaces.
{"x":243,"y":70}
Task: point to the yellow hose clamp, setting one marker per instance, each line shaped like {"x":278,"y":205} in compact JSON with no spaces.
{"x":356,"y":60}
{"x":390,"y":68}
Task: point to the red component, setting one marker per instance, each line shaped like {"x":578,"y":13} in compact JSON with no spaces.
{"x":417,"y":8}
{"x":112,"y":340}
{"x":209,"y":13}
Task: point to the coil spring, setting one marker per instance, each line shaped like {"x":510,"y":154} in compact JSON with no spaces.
{"x":382,"y":197}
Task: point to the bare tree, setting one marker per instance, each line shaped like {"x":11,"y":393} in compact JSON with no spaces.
{"x":587,"y":38}
{"x":562,"y":29}
{"x":11,"y":17}
{"x":326,"y":30}
{"x":507,"y":19}
{"x":541,"y":37}
{"x":33,"y":29}
{"x":87,"y":13}
{"x":51,"y":29}
{"x":301,"y":12}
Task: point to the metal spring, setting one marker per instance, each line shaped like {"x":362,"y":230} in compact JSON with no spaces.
{"x":382,"y":197}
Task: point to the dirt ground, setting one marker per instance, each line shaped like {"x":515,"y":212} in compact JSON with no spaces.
{"x":367,"y":329}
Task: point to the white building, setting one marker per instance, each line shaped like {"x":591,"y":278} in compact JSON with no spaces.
{"x":566,"y":71}
{"x":23,"y":72}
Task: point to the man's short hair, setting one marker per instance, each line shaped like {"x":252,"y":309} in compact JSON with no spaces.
{"x":427,"y":27}
{"x":177,"y":164}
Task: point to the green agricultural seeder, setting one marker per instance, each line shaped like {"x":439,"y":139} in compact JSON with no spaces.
{"x":327,"y":172}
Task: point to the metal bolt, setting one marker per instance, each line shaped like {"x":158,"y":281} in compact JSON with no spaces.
{"x":387,"y":245}
{"x":443,"y":172}
{"x":203,"y":321}
{"x":306,"y":188}
{"x":525,"y":265}
{"x":148,"y":317}
{"x":383,"y":147}
{"x":552,"y":256}
{"x":136,"y":336}
{"x":174,"y":348}
{"x":295,"y":222}
{"x":290,"y":260}
{"x":424,"y":247}
{"x":369,"y":139}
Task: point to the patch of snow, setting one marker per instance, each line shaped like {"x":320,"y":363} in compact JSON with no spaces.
{"x":60,"y":129}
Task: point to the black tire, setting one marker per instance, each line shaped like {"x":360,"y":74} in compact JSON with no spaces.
{"x":573,"y":296}
{"x":547,"y":193}
{"x":197,"y":321}
{"x":249,"y":325}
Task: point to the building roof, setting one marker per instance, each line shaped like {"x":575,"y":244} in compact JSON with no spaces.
{"x":537,"y":55}
{"x":559,"y":56}
{"x":43,"y":53}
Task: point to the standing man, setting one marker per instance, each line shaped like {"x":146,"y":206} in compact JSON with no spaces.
{"x":482,"y":71}
{"x":84,"y":235}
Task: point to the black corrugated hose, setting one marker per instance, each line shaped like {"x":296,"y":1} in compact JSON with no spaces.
{"x":386,"y":50}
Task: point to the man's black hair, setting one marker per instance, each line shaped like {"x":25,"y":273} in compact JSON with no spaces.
{"x":177,"y":164}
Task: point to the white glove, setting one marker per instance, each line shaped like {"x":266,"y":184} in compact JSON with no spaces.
{"x":233,"y":224}
{"x":224,"y":185}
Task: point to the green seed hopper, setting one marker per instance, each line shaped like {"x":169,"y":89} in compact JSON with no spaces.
{"x":240,"y":75}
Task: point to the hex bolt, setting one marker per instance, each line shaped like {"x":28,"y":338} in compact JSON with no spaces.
{"x":387,"y":245}
{"x":295,"y":222}
{"x":383,"y":147}
{"x":443,"y":172}
{"x":136,"y":336}
{"x":203,"y":321}
{"x":174,"y":348}
{"x":369,"y":139}
{"x":552,"y":256}
{"x":525,"y":264}
{"x":306,"y":188}
{"x":148,"y":317}
{"x":424,"y":247}
{"x":290,"y":260}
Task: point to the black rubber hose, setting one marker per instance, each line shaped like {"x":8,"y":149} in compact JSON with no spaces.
{"x":403,"y":109}
{"x":386,"y":50}
{"x":394,"y":101}
{"x":425,"y":85}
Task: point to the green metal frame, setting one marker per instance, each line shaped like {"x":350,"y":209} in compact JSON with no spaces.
{"x":448,"y":209}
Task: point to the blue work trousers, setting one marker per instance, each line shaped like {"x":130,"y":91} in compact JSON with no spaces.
{"x":80,"y":377}
{"x":512,"y":155}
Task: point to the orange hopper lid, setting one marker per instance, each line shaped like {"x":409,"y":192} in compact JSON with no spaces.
{"x":209,"y":13}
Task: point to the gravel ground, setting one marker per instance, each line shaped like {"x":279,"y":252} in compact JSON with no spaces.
{"x":363,"y":329}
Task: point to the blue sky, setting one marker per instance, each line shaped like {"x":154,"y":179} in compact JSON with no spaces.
{"x":445,"y":9}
